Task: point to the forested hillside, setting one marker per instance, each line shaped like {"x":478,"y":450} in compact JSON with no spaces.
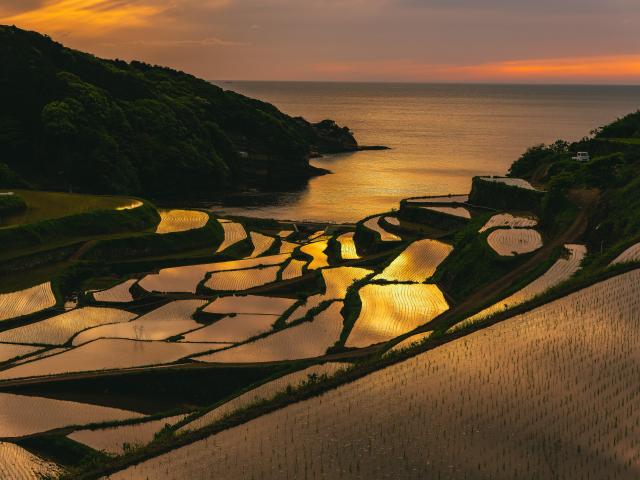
{"x":71,"y":121}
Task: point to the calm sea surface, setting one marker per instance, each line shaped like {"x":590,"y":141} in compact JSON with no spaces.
{"x":440,"y":136}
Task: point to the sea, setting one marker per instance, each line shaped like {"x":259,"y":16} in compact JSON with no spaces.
{"x":439,"y":135}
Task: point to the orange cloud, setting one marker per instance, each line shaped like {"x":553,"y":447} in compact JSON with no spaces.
{"x":613,"y":68}
{"x":618,"y":66}
{"x":86,"y":17}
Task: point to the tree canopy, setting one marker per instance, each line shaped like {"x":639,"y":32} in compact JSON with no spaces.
{"x":72,"y":121}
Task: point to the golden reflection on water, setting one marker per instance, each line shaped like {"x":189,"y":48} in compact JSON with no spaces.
{"x":440,"y":137}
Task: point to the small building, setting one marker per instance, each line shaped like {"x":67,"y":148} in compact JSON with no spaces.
{"x":582,"y":157}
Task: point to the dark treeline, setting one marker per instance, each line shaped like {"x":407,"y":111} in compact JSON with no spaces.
{"x":71,"y":121}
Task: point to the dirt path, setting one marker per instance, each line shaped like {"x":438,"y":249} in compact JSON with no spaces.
{"x":585,"y":200}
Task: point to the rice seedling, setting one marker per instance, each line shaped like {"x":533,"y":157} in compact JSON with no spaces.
{"x":107,"y":354}
{"x":162,"y":323}
{"x":237,"y":280}
{"x":233,"y":233}
{"x":509,"y":221}
{"x":120,"y":439}
{"x":512,"y":182}
{"x":293,"y":269}
{"x":510,"y":242}
{"x":250,"y":304}
{"x":442,"y":199}
{"x":316,"y":251}
{"x":408,"y":343}
{"x":392,"y":310}
{"x":27,"y":301}
{"x":337,"y":281}
{"x":19,"y":464}
{"x":233,"y":329}
{"x":9,"y":351}
{"x":305,"y":340}
{"x":261,"y":243}
{"x":287,"y":247}
{"x":60,"y":329}
{"x":560,"y":271}
{"x":348,"y":246}
{"x":373,"y":225}
{"x":26,"y":415}
{"x":520,"y":399}
{"x":453,"y":211}
{"x":186,"y":278}
{"x":631,"y":254}
{"x":417,"y":262}
{"x":119,"y":293}
{"x":263,"y":392}
{"x":180,"y":220}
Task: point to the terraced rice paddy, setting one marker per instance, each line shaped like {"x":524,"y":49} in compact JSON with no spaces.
{"x":112,"y":440}
{"x":237,"y":280}
{"x":19,"y":464}
{"x":315,"y":235}
{"x":285,"y":233}
{"x":107,"y":354}
{"x":233,"y":329}
{"x":119,"y":293}
{"x":233,"y":233}
{"x":408,"y":342}
{"x":305,"y":340}
{"x":392,"y":221}
{"x":263,"y":392}
{"x":165,"y":322}
{"x":631,"y":254}
{"x":337,"y":281}
{"x":316,"y":251}
{"x":560,"y":271}
{"x":60,"y":329}
{"x":303,"y":309}
{"x":41,"y":354}
{"x":522,"y":399}
{"x":348,"y":247}
{"x":9,"y":351}
{"x":261,"y":243}
{"x":510,"y":242}
{"x":186,"y":278}
{"x":172,"y":221}
{"x":417,"y":262}
{"x":26,"y":415}
{"x":512,"y":182}
{"x":293,"y":269}
{"x":442,"y":199}
{"x":250,"y":304}
{"x":392,"y":310}
{"x":130,"y":205}
{"x":373,"y":225}
{"x":509,"y":221}
{"x":287,"y":247}
{"x":27,"y":301}
{"x":460,"y":212}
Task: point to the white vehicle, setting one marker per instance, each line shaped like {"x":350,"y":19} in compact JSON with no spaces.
{"x":582,"y":157}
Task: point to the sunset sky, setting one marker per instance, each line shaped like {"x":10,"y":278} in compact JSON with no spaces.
{"x":541,"y":41}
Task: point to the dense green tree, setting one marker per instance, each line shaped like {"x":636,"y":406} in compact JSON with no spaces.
{"x":72,"y":121}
